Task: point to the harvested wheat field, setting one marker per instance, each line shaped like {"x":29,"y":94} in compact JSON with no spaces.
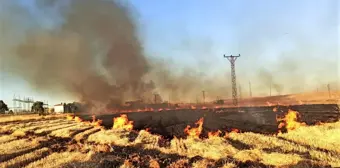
{"x":68,"y":141}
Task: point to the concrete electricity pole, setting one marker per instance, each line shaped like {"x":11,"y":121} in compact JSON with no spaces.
{"x":203,"y":94}
{"x":250,"y":94}
{"x":329,"y":90}
{"x":239,"y":91}
{"x":270,"y":89}
{"x":232,"y":60}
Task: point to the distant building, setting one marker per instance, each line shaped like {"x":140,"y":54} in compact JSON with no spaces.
{"x":59,"y":108}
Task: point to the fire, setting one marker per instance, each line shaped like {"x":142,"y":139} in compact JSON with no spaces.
{"x":235,"y":130}
{"x":319,"y":123}
{"x":97,"y":123}
{"x":274,"y":109}
{"x":289,"y":121}
{"x":269,"y":104}
{"x":214,"y":134}
{"x":195,"y":132}
{"x":147,"y":130}
{"x":69,"y":117}
{"x":77,"y":119}
{"x":122,"y":122}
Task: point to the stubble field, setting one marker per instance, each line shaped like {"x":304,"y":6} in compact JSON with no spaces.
{"x":66,"y":141}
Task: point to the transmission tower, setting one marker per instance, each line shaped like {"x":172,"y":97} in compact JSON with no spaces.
{"x":232,"y":60}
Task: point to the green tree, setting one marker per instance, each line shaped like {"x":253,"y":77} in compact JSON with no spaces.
{"x":3,"y":107}
{"x":38,"y":107}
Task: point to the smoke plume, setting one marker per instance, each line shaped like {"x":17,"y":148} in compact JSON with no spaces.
{"x":92,"y":50}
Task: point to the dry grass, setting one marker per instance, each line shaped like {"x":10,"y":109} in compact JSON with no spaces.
{"x":94,"y":146}
{"x":26,"y":158}
{"x":68,"y":132}
{"x":328,"y":136}
{"x":18,"y":145}
{"x":6,"y":138}
{"x":116,"y":137}
{"x":274,"y":144}
{"x":59,"y":159}
{"x":214,"y":148}
{"x":50,"y":129}
{"x":84,"y":134}
{"x":11,"y":118}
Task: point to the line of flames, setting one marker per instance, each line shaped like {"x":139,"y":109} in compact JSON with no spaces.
{"x":289,"y":122}
{"x":166,"y":109}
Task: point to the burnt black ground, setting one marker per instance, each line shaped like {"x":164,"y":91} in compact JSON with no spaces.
{"x":247,"y":119}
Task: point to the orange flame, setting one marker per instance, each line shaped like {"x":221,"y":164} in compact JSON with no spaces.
{"x":122,"y":122}
{"x":319,"y":123}
{"x":269,"y":104}
{"x":97,"y":123}
{"x":235,"y":130}
{"x":147,"y":130}
{"x":289,"y":121}
{"x":195,"y":132}
{"x":274,"y":109}
{"x":214,"y":134}
{"x":77,"y":119}
{"x":69,"y":117}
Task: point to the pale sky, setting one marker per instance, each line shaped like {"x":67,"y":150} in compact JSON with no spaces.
{"x":199,"y":32}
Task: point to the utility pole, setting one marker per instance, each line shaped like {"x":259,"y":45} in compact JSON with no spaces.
{"x":239,"y":90}
{"x":155,"y":98}
{"x":329,"y":90}
{"x":270,"y":89}
{"x":232,"y":60}
{"x":250,"y":94}
{"x":203,"y":94}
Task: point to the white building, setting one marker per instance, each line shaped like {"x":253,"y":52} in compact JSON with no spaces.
{"x":59,"y":108}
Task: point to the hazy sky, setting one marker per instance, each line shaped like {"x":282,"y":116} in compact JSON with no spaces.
{"x":268,"y":34}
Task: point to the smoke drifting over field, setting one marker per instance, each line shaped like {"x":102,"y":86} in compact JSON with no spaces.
{"x":92,"y":51}
{"x":94,"y":54}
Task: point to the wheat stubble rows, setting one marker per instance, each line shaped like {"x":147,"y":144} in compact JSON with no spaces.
{"x":58,"y":142}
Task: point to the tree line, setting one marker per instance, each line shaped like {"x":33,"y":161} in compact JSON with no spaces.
{"x":38,"y":107}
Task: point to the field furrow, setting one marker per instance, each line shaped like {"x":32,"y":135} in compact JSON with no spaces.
{"x":6,"y":138}
{"x":84,"y":135}
{"x":70,"y":143}
{"x":328,"y":137}
{"x":69,"y":132}
{"x":25,"y":159}
{"x":56,"y":160}
{"x":20,"y":132}
{"x":54,"y":128}
{"x":18,"y":147}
